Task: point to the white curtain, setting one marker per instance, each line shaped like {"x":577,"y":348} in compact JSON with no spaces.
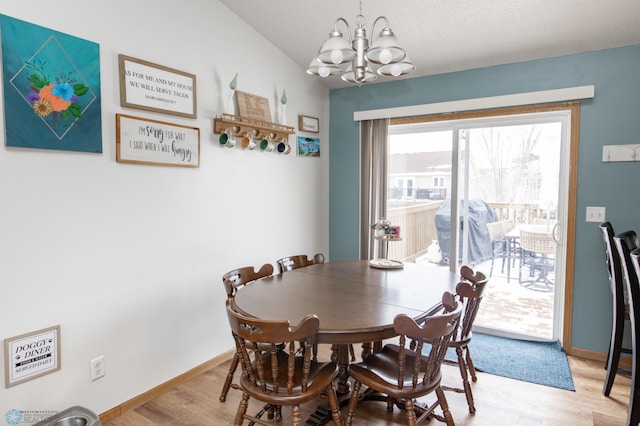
{"x":373,"y":182}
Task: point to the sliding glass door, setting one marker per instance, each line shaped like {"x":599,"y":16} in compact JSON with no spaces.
{"x":452,"y":183}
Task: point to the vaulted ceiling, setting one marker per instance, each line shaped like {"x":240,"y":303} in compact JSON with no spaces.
{"x":451,"y":35}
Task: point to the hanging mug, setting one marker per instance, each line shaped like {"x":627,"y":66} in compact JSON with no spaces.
{"x":266,"y":144}
{"x":226,"y":139}
{"x":283,"y":148}
{"x":248,"y":142}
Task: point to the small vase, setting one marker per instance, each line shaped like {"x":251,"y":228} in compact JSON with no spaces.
{"x":380,"y":233}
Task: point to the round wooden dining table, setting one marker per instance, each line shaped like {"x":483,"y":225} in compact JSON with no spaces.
{"x":355,"y":302}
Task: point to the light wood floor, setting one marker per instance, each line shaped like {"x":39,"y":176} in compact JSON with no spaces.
{"x":499,"y":401}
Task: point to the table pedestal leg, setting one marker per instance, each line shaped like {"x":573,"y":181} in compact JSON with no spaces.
{"x":366,"y":350}
{"x":343,"y":372}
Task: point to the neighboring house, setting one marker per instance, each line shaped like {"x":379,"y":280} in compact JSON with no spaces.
{"x":420,"y":175}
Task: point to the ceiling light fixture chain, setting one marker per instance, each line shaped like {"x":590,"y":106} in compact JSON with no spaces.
{"x":356,"y":58}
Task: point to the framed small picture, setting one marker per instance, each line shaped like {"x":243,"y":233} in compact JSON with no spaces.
{"x":308,"y":124}
{"x":308,"y":146}
{"x":393,"y":232}
{"x":31,"y":355}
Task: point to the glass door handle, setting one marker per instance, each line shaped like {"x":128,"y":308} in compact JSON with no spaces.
{"x":554,"y":233}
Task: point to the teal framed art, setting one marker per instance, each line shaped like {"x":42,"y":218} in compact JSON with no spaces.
{"x":51,"y":84}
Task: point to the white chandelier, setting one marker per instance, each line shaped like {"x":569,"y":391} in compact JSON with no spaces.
{"x":356,"y":59}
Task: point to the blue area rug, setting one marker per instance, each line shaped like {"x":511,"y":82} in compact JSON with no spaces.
{"x":544,"y":363}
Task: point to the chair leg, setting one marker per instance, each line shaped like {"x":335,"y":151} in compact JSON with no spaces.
{"x":465,"y":380}
{"x":521,"y":265}
{"x":353,"y":402}
{"x":448,"y":418}
{"x":274,"y":412}
{"x":492,"y":259}
{"x":633,"y":412}
{"x":470,"y":366}
{"x":296,"y":414}
{"x":333,"y":404}
{"x":411,"y":414}
{"x":613,"y":356}
{"x":242,"y":409}
{"x":227,"y":382}
{"x":503,"y":251}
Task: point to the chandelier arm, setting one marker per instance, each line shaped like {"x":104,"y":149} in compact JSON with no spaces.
{"x":346,"y":24}
{"x":373,"y":27}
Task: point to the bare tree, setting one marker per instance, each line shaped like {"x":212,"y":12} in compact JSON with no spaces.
{"x":503,"y":165}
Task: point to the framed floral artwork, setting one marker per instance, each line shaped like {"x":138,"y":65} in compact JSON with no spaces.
{"x":51,"y":88}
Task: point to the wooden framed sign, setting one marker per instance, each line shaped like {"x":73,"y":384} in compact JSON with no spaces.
{"x":31,"y":355}
{"x":308,"y":124}
{"x":252,"y":106}
{"x":153,"y":87}
{"x":144,"y":141}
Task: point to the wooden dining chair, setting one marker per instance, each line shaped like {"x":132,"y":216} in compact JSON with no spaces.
{"x":233,"y":280}
{"x":290,"y":263}
{"x":469,"y":292}
{"x":626,"y":243}
{"x":274,"y":372}
{"x":402,"y":373}
{"x":620,"y":308}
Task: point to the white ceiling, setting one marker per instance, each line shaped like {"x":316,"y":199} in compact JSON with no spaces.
{"x":451,"y":35}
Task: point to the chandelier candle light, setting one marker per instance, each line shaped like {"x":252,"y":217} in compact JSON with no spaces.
{"x":355,"y":58}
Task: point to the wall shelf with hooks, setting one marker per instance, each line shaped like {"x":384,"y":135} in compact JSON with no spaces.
{"x":237,"y":126}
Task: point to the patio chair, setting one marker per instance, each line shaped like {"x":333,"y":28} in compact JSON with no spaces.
{"x":502,"y":247}
{"x":537,"y":251}
{"x":498,"y":244}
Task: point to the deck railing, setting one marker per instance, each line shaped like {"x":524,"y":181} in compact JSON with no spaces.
{"x":418,"y":226}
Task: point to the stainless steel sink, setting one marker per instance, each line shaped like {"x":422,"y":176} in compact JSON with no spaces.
{"x":74,"y":416}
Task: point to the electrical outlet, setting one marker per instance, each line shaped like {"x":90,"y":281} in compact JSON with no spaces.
{"x":596,"y":214}
{"x":97,"y":368}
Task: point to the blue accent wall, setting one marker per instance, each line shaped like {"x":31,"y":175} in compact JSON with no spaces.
{"x":611,"y":117}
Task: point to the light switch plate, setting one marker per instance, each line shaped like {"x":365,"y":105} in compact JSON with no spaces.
{"x":596,"y":214}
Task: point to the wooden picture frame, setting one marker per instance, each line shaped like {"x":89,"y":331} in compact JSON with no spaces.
{"x":308,"y":124}
{"x":152,"y":87}
{"x":31,"y":355}
{"x":144,"y":141}
{"x":252,"y":106}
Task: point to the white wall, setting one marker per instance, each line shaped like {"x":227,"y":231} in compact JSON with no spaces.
{"x":128,"y":258}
